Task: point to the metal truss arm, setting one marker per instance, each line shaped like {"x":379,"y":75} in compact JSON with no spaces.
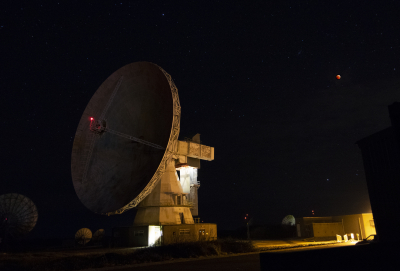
{"x":134,"y":139}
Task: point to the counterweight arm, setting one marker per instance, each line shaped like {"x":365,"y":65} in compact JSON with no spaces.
{"x":134,"y":139}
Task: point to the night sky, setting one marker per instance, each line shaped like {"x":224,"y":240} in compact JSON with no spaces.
{"x":256,"y":80}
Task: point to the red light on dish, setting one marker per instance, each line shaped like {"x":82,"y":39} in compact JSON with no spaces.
{"x":338,"y":77}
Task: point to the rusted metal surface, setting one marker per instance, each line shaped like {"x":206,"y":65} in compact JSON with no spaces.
{"x":113,"y":173}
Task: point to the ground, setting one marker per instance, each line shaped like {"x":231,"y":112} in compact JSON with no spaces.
{"x":247,"y":261}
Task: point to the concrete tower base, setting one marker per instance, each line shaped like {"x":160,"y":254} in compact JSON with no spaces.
{"x":163,"y":216}
{"x":166,"y":204}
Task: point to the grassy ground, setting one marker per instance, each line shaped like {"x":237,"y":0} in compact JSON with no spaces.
{"x":68,"y":261}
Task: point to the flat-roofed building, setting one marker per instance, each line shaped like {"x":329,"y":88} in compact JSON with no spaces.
{"x":330,"y":226}
{"x":152,"y":235}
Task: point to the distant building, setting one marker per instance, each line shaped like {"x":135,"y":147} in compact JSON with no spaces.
{"x":381,"y":157}
{"x":361,"y":225}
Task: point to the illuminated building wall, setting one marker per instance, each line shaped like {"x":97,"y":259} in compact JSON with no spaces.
{"x":318,"y":227}
{"x":188,"y":233}
{"x":150,"y":235}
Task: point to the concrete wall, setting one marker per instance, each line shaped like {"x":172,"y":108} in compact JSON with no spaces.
{"x":367,"y":228}
{"x":351,"y":223}
{"x":327,"y":229}
{"x":163,"y":215}
{"x":161,"y":207}
{"x":317,"y":226}
{"x":189,"y":232}
{"x":357,"y":224}
{"x":126,"y":237}
{"x":306,"y":228}
{"x":139,"y":240}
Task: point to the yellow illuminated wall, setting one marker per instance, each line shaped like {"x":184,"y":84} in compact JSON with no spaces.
{"x":327,"y":229}
{"x":369,"y":225}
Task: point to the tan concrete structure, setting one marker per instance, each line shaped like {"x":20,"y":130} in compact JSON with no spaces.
{"x":363,"y":224}
{"x":328,"y":227}
{"x":173,"y":201}
{"x":166,"y":204}
{"x":183,"y":233}
{"x":142,"y":236}
{"x":194,"y":150}
{"x":304,"y":225}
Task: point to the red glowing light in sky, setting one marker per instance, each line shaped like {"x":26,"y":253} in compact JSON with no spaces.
{"x":338,"y":77}
{"x":91,"y":118}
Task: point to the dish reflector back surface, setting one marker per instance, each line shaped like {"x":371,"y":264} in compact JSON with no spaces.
{"x":18,"y":214}
{"x":112,"y":173}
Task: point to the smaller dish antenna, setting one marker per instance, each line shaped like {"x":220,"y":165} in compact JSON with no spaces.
{"x":98,"y":235}
{"x":83,"y":236}
{"x":289,"y":220}
{"x":18,"y":215}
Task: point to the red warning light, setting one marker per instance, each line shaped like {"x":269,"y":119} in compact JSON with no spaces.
{"x":91,"y":118}
{"x":338,"y":77}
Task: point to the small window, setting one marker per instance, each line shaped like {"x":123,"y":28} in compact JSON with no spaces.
{"x":178,"y":200}
{"x":184,"y":232}
{"x":372,"y":223}
{"x":138,"y":233}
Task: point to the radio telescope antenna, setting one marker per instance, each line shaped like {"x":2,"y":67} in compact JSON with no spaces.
{"x":125,"y":138}
{"x":98,"y":235}
{"x":289,"y":220}
{"x":83,"y":236}
{"x":18,"y":215}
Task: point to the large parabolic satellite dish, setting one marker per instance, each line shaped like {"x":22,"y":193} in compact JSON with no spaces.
{"x":289,"y":220}
{"x":18,"y":214}
{"x":125,"y":138}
